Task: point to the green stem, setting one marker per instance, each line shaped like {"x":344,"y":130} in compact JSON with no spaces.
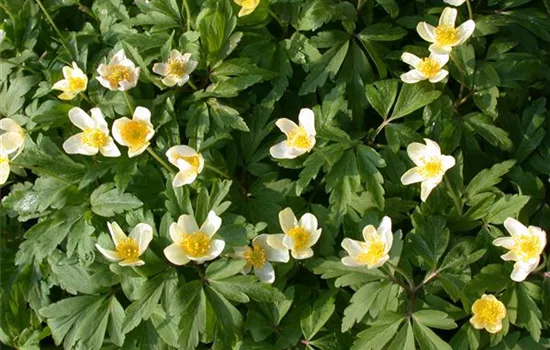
{"x":61,"y":37}
{"x":192,"y":84}
{"x":187,"y":15}
{"x":20,"y":65}
{"x":136,"y":270}
{"x":275,"y":17}
{"x":402,"y":273}
{"x":470,"y":12}
{"x":380,"y":128}
{"x":161,"y":161}
{"x":83,"y":95}
{"x":216,"y":170}
{"x":130,"y":105}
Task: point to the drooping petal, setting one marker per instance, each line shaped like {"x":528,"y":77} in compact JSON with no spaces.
{"x":442,"y":74}
{"x":10,"y":125}
{"x":287,"y":219}
{"x":307,"y":120}
{"x":176,"y":233}
{"x":265,"y":274}
{"x":465,"y":31}
{"x":191,"y":66}
{"x":212,"y":224}
{"x":184,"y":79}
{"x":351,"y":246}
{"x":432,"y":148}
{"x":412,"y":77}
{"x":410,"y":59}
{"x":119,"y":57}
{"x":448,"y":17}
{"x":116,"y":232}
{"x":108,"y":254}
{"x":175,"y":254}
{"x":506,"y":242}
{"x":302,"y":254}
{"x":288,"y":242}
{"x":81,"y":119}
{"x":187,"y":224}
{"x":143,"y":233}
{"x":105,"y":83}
{"x":441,"y":59}
{"x":426,"y":31}
{"x":427,"y":187}
{"x":184,"y":177}
{"x":169,"y":80}
{"x":277,"y":254}
{"x":412,"y":176}
{"x":515,"y":228}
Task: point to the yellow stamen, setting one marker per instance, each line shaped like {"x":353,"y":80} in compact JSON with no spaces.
{"x":128,"y":249}
{"x":301,"y":237}
{"x":489,"y":312}
{"x":526,"y":247}
{"x":429,"y":67}
{"x":94,"y":137}
{"x":446,"y":36}
{"x":176,"y":67}
{"x":373,"y":254}
{"x":196,"y":244}
{"x":134,"y":133}
{"x":255,"y":256}
{"x":298,"y":138}
{"x":432,"y":169}
{"x":76,"y":84}
{"x":117,"y":73}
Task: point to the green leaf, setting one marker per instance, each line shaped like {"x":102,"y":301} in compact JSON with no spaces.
{"x":107,"y":201}
{"x":314,"y":318}
{"x":382,"y":32}
{"x":342,"y":181}
{"x":484,"y":126}
{"x":430,"y":238}
{"x":314,"y":14}
{"x":533,"y":120}
{"x":507,"y":206}
{"x":487,"y":178}
{"x":529,"y":314}
{"x":215,"y":23}
{"x":404,"y":340}
{"x":12,"y":97}
{"x":412,"y":97}
{"x":224,"y":268}
{"x":375,"y":337}
{"x":360,"y":303}
{"x":192,"y":308}
{"x":434,"y":319}
{"x":368,"y":163}
{"x":381,"y":95}
{"x":390,"y":6}
{"x":461,"y":255}
{"x":229,"y":319}
{"x":427,"y":339}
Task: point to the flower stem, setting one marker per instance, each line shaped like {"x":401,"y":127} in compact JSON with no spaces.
{"x":470,"y":12}
{"x":192,"y":84}
{"x":61,"y":37}
{"x":161,"y":161}
{"x":83,"y":95}
{"x":275,"y":17}
{"x":402,"y":273}
{"x":130,"y":105}
{"x":216,"y":170}
{"x":187,"y":15}
{"x":380,"y":128}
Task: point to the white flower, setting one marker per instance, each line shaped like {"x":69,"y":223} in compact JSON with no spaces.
{"x":134,"y":133}
{"x":300,"y":139}
{"x":445,"y":36}
{"x":298,"y":236}
{"x":4,"y":165}
{"x":247,"y":6}
{"x":189,"y":162}
{"x":120,"y":74}
{"x":431,"y":165}
{"x":259,"y":256}
{"x":12,"y":136}
{"x":75,"y":82}
{"x":177,"y":69}
{"x":373,"y":252}
{"x":454,"y":2}
{"x":128,"y":249}
{"x":194,"y":243}
{"x":94,"y":136}
{"x":525,"y":247}
{"x":425,"y":68}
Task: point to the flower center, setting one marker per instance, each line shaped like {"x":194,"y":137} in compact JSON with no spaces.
{"x":527,"y":247}
{"x":94,"y":137}
{"x":128,"y":249}
{"x":3,"y":160}
{"x":76,"y":84}
{"x":176,"y":67}
{"x":432,"y":169}
{"x":298,"y":138}
{"x":196,"y":244}
{"x":489,"y":312}
{"x":250,"y":3}
{"x":301,"y":237}
{"x":255,"y":256}
{"x":194,"y":161}
{"x":117,"y":73}
{"x":429,"y":67}
{"x":446,"y":35}
{"x":374,"y":253}
{"x":134,"y":132}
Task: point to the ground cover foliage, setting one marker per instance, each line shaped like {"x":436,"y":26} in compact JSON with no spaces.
{"x":424,"y":262}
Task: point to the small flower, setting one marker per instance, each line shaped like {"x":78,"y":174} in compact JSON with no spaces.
{"x":189,"y":162}
{"x":300,"y":139}
{"x":120,"y":74}
{"x":75,"y":82}
{"x":454,"y":2}
{"x":128,"y":249}
{"x":134,"y":133}
{"x":425,"y":68}
{"x":431,"y":165}
{"x":259,"y":256}
{"x":194,"y":243}
{"x":373,"y":252}
{"x":94,"y":136}
{"x":177,"y":69}
{"x":247,"y":6}
{"x":525,"y":247}
{"x":488,"y":313}
{"x":299,"y":236}
{"x":445,"y":36}
{"x":12,"y":136}
{"x":4,"y":165}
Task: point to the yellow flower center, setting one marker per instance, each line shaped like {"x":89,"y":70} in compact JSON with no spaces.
{"x":256,"y":256}
{"x":301,"y":237}
{"x":374,"y":253}
{"x":176,"y":67}
{"x":196,"y":244}
{"x":445,"y":35}
{"x":432,"y":169}
{"x":3,"y":160}
{"x":128,"y":249}
{"x":134,"y":133}
{"x":76,"y":84}
{"x":250,"y":3}
{"x":489,"y":312}
{"x":298,"y":138}
{"x":117,"y":73}
{"x":94,"y":137}
{"x":194,"y":161}
{"x":527,"y":247}
{"x":429,"y":67}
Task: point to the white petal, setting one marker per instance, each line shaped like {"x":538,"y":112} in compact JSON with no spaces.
{"x":110,"y":149}
{"x":169,"y":81}
{"x":515,"y":228}
{"x":176,"y":233}
{"x":506,"y":242}
{"x":143,"y":233}
{"x":125,"y":85}
{"x":350,"y":261}
{"x":277,"y":255}
{"x":102,"y":69}
{"x":302,"y":254}
{"x":11,"y":141}
{"x":307,"y":120}
{"x":370,"y":233}
{"x":465,"y":30}
{"x":276,"y":241}
{"x":417,"y":152}
{"x":61,"y":85}
{"x":380,"y":262}
{"x":412,"y":77}
{"x":246,"y":269}
{"x":116,"y":232}
{"x":98,"y":119}
{"x":132,"y":263}
{"x":288,"y":242}
{"x":74,"y":145}
{"x":412,"y":176}
{"x":184,"y":177}
{"x":187,"y":224}
{"x":519,"y":274}
{"x":160,"y":68}
{"x":216,"y":248}
{"x":184,"y":79}
{"x":314,"y":236}
{"x":384,"y":231}
{"x":175,"y":254}
{"x":440,"y":50}
{"x":441,"y":59}
{"x":282,"y":151}
{"x":442,"y":74}
{"x":212,"y":224}
{"x":191,"y":66}
{"x":143,"y":114}
{"x":287,"y":219}
{"x":455,"y":2}
{"x":238,"y":252}
{"x":309,"y":222}
{"x":109,"y":254}
{"x":132,"y":152}
{"x":410,"y":59}
{"x":427,"y":187}
{"x":447,"y":162}
{"x":105,"y":83}
{"x":4,"y":172}
{"x":426,"y":31}
{"x":175,"y":152}
{"x":351,"y":246}
{"x":118,"y":57}
{"x":432,"y":148}
{"x":265,"y":274}
{"x":540,"y":234}
{"x":286,"y":125}
{"x":80,"y":118}
{"x":510,"y":256}
{"x":448,"y":17}
{"x":10,"y":125}
{"x":175,"y":54}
